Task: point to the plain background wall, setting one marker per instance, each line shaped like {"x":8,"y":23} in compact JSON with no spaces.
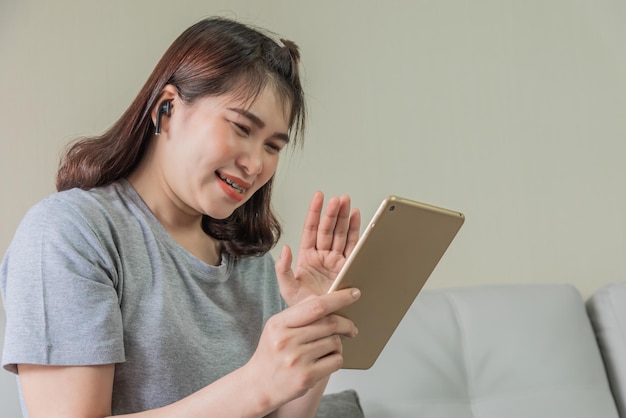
{"x":509,"y":111}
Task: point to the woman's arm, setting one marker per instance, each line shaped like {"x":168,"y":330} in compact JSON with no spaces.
{"x":86,"y":392}
{"x":304,"y":406}
{"x":298,"y":348}
{"x":59,"y":391}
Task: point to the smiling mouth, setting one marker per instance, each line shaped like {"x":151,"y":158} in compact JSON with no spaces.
{"x":238,"y":188}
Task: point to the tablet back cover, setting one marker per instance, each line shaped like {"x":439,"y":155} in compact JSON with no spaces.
{"x":395,"y":256}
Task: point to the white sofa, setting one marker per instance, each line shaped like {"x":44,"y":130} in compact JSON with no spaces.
{"x":500,"y":352}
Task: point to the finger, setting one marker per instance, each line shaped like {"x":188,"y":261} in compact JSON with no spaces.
{"x":324,"y":336}
{"x":354,"y":229}
{"x":342,"y":225}
{"x":326,"y":229}
{"x":329,"y":363}
{"x":327,"y":326}
{"x":320,"y":348}
{"x":315,"y":334}
{"x":310,"y":310}
{"x":312,"y":221}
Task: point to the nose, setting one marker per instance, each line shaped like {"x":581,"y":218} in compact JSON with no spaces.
{"x":251,"y":160}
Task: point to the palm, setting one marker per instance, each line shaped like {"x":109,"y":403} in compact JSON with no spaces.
{"x":327,"y":241}
{"x":317,"y":269}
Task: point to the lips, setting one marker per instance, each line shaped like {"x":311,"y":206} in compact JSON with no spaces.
{"x":233,"y":186}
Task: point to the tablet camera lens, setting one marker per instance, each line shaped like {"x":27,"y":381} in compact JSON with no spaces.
{"x":392,"y":208}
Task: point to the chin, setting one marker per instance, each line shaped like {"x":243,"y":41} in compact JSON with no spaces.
{"x":221,"y":212}
{"x":218,"y":214}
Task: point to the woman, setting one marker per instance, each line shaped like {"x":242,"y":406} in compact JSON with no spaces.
{"x":145,"y":287}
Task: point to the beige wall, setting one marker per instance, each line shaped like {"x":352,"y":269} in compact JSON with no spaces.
{"x":510,"y":111}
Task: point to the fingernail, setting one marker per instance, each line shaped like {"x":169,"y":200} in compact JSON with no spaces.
{"x":356,"y":293}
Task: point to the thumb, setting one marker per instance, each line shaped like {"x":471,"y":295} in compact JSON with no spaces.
{"x":283,"y":264}
{"x":284,"y":273}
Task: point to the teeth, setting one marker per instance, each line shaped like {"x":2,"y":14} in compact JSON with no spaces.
{"x":232,"y":184}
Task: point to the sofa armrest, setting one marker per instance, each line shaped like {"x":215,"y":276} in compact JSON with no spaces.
{"x":607,"y":311}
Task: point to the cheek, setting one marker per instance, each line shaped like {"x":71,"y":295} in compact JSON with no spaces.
{"x":269,"y":167}
{"x":210,"y":146}
{"x":272,"y":163}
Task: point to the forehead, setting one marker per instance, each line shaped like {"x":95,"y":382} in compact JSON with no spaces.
{"x":248,"y":89}
{"x":267,"y":102}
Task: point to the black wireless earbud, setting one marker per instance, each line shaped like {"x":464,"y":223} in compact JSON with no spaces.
{"x":164,"y":109}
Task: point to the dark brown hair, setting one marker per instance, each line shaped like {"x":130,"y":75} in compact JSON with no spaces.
{"x":213,"y":57}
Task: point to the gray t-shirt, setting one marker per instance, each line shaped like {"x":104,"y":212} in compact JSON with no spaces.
{"x":91,"y":277}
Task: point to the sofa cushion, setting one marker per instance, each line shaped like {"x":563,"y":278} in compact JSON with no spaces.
{"x":490,"y":352}
{"x":607,"y":310}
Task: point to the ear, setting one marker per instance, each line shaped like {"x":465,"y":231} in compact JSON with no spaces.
{"x":168,"y":94}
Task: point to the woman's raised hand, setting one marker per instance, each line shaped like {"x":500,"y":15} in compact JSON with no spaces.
{"x":327,"y":241}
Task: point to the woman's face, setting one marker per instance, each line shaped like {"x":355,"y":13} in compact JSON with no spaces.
{"x":218,"y":151}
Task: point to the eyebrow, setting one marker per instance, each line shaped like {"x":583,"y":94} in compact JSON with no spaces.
{"x":258,"y":122}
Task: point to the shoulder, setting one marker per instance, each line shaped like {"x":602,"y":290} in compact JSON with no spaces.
{"x":86,"y":203}
{"x":71,"y":231}
{"x":60,"y":211}
{"x":76,"y":208}
{"x":72,"y":220}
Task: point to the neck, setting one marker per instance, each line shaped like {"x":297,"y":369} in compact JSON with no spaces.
{"x":182,"y":223}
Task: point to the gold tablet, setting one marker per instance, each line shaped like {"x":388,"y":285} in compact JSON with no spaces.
{"x":390,"y":264}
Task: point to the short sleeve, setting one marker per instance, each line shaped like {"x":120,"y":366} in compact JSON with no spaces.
{"x":58,"y":284}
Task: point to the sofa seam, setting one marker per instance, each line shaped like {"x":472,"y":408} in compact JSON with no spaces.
{"x":465,"y":350}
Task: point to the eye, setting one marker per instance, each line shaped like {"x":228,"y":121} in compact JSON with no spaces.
{"x":241,"y":130}
{"x":273,"y":148}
